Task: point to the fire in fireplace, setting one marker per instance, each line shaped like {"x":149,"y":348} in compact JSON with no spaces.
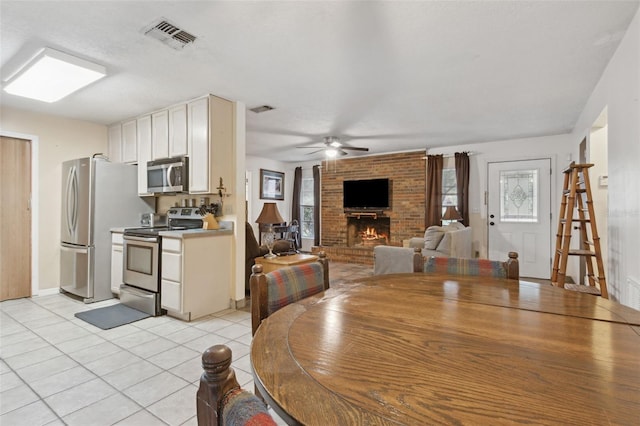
{"x":368,"y":231}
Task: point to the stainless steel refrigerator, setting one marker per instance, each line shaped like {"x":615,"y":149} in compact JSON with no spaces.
{"x":97,"y":195}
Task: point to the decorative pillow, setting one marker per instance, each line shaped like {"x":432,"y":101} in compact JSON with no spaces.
{"x":445,"y":244}
{"x":432,"y":237}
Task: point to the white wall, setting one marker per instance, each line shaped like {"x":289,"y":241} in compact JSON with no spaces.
{"x":558,"y":148}
{"x":59,"y":139}
{"x":597,"y":154}
{"x":253,"y":165}
{"x":619,"y":91}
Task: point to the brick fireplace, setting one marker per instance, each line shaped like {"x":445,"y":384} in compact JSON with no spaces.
{"x":407,"y":173}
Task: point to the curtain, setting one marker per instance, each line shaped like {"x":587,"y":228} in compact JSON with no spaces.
{"x":433,"y":214}
{"x":462,"y":184}
{"x":295,"y":202}
{"x":316,"y":205}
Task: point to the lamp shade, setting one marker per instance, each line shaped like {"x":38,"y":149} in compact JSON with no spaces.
{"x":451,"y":213}
{"x":269,"y":214}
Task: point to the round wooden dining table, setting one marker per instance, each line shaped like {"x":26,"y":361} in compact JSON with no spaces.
{"x":422,"y":349}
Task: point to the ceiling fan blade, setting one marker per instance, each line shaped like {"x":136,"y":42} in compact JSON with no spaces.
{"x":354,"y":148}
{"x":343,"y":152}
{"x":309,"y":147}
{"x":310,"y":153}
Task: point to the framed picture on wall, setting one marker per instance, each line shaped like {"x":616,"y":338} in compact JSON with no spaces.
{"x":271,"y":185}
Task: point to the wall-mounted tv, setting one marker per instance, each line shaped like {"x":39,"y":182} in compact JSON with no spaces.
{"x":366,"y":194}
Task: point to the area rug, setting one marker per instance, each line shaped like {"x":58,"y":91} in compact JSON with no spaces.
{"x":111,"y":316}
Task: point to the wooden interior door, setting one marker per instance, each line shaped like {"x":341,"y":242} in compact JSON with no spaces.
{"x":15,"y":218}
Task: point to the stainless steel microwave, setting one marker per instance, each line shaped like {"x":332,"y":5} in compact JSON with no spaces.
{"x":168,"y":175}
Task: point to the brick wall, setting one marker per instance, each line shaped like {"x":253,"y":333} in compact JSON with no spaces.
{"x":407,"y":172}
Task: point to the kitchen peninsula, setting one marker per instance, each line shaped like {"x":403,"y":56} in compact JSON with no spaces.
{"x":196,"y":271}
{"x":193,"y":268}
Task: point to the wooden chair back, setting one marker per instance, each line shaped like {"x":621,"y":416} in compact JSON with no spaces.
{"x":509,"y":269}
{"x":276,"y":289}
{"x":220,"y":400}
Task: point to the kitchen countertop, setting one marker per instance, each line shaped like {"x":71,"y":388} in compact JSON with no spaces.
{"x":197,"y":233}
{"x":226,"y":228}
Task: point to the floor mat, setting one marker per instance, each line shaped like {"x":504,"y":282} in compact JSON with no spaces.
{"x":111,"y":316}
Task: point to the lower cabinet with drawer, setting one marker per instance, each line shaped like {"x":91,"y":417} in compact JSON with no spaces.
{"x":196,"y":275}
{"x":116,"y":261}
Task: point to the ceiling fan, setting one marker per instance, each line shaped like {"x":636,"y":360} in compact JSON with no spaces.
{"x":332,"y":147}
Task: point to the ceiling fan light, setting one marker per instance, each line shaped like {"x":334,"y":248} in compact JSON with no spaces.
{"x":331,"y":153}
{"x":332,"y":141}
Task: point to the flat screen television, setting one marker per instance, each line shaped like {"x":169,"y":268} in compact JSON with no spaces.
{"x":366,"y":194}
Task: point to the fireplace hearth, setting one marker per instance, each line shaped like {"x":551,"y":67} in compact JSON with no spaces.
{"x":368,"y":231}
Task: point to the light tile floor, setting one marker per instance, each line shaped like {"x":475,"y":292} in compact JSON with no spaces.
{"x":56,"y":369}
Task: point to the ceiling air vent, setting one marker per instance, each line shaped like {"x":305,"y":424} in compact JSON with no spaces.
{"x":263,"y":108}
{"x":170,"y":35}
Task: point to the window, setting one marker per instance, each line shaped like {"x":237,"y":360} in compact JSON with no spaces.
{"x":306,"y":208}
{"x":449,"y":188}
{"x":519,"y":196}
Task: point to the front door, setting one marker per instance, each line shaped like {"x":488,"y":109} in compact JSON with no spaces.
{"x":15,"y":226}
{"x":519,"y":214}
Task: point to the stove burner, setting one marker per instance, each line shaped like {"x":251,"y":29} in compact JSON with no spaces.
{"x":152,"y":231}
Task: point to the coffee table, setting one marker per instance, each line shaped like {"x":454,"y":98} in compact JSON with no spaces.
{"x":271,"y":264}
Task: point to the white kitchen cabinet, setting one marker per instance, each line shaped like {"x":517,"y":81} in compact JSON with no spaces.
{"x":210,"y":138}
{"x":160,"y":134}
{"x":117,"y":261}
{"x":169,"y":132}
{"x":178,"y":131}
{"x":196,"y":275}
{"x":129,"y":142}
{"x":143,"y":128}
{"x":114,"y":135}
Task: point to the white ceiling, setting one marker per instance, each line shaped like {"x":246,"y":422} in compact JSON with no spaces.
{"x":389,"y":76}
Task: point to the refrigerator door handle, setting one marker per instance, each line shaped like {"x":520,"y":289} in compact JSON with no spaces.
{"x":72,"y":201}
{"x":72,"y":248}
{"x":68,"y":202}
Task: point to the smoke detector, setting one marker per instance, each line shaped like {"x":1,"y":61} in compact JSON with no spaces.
{"x":170,"y":34}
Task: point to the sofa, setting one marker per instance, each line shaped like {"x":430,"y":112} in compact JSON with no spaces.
{"x":452,"y":240}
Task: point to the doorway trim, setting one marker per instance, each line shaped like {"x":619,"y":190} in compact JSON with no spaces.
{"x":35,"y":236}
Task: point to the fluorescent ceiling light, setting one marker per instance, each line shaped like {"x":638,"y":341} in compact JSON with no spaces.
{"x":51,"y":75}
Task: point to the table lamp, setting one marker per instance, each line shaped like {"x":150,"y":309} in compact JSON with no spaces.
{"x":268,"y":216}
{"x":451,"y":214}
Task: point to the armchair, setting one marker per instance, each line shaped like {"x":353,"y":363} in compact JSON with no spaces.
{"x":253,"y":250}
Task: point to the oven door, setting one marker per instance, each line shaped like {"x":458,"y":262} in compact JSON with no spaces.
{"x":141,"y":266}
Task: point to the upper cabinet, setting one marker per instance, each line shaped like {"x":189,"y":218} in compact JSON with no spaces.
{"x":115,"y":143}
{"x":160,"y":135}
{"x":129,"y":142}
{"x":202,"y":129}
{"x":143,"y":126}
{"x":210,"y":138}
{"x":169,"y":135}
{"x":178,"y":131}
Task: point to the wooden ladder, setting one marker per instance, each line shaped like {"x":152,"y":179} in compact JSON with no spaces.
{"x":576,"y":194}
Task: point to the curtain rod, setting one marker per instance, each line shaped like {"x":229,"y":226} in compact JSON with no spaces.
{"x":469,"y":153}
